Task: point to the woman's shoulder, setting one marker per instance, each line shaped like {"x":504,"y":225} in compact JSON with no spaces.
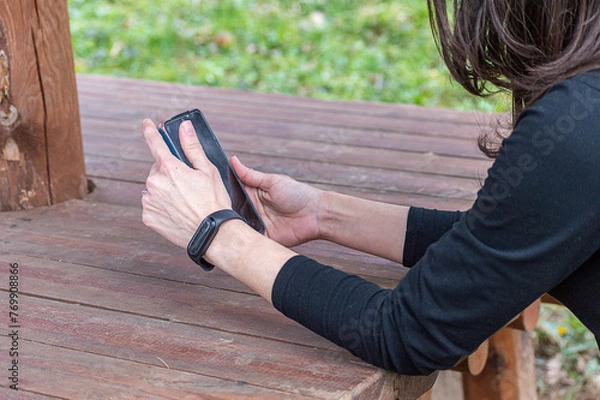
{"x":571,"y":106}
{"x":589,"y":78}
{"x":562,"y":128}
{"x":579,"y":90}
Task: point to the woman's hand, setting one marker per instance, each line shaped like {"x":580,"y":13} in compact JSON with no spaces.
{"x":288,"y":208}
{"x":295,"y":213}
{"x":178,"y":198}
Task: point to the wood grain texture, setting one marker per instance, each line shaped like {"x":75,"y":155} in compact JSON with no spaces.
{"x":66,"y":168}
{"x":41,"y":155}
{"x":84,"y":375}
{"x":204,"y":352}
{"x":23,"y":157}
{"x":10,"y":394}
{"x":112,"y":306}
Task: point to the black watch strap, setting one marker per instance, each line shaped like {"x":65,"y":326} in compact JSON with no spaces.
{"x":205,"y":234}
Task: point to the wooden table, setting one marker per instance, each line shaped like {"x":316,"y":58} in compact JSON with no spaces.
{"x":110,"y":310}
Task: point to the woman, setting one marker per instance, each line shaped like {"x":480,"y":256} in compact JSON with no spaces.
{"x":534,"y":227}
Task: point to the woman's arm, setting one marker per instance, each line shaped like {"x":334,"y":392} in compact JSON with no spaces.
{"x":369,"y":226}
{"x":534,"y":225}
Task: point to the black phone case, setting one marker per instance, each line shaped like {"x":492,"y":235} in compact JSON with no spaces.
{"x":239,"y":198}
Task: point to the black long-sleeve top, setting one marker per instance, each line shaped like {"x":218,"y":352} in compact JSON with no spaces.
{"x":534,"y":228}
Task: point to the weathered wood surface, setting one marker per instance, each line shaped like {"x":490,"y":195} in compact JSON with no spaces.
{"x":112,"y":310}
{"x":41,"y":155}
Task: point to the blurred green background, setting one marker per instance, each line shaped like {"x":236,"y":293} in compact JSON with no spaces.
{"x":330,"y":49}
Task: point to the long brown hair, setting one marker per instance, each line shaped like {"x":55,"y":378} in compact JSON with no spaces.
{"x":524,"y":46}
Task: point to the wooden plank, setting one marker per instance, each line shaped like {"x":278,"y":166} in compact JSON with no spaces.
{"x":223,"y":119}
{"x":174,"y":92}
{"x":228,"y":357}
{"x":84,"y":375}
{"x":66,"y":169}
{"x":408,"y":387}
{"x":141,"y":106}
{"x":110,"y":191}
{"x":224,"y":122}
{"x":163,"y":265}
{"x":168,"y":300}
{"x":288,"y":146}
{"x":316,"y":172}
{"x":179,"y":96}
{"x":36,"y":277}
{"x":125,"y":193}
{"x":129,"y":160}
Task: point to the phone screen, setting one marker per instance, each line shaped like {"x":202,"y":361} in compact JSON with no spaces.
{"x":241,"y":203}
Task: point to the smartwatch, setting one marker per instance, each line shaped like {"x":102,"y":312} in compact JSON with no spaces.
{"x":206,"y":233}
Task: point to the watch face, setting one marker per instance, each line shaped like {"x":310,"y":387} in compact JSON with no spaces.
{"x":199,"y":241}
{"x":206,"y":233}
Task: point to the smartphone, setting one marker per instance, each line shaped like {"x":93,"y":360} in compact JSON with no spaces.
{"x":214,"y":152}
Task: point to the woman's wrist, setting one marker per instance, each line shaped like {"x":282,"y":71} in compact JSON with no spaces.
{"x":365,"y":225}
{"x":248,"y":256}
{"x":230,"y":242}
{"x":324,"y":217}
{"x":335,"y":216}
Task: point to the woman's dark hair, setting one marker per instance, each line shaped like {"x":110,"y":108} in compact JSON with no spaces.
{"x":524,"y":46}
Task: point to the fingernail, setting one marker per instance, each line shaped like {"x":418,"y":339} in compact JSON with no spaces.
{"x":188,"y":128}
{"x":146,"y":128}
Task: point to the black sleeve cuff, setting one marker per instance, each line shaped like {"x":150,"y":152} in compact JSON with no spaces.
{"x":423,"y":228}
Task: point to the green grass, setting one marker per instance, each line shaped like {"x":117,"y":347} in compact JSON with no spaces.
{"x":331,"y":49}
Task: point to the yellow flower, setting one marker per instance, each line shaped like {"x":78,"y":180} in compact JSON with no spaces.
{"x":562,"y":331}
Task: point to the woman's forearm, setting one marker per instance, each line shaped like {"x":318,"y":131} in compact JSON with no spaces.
{"x":364,"y":225}
{"x":252,"y":258}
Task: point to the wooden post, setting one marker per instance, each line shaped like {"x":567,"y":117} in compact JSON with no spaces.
{"x":476,"y":362}
{"x":41,"y":151}
{"x":509,"y":373}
